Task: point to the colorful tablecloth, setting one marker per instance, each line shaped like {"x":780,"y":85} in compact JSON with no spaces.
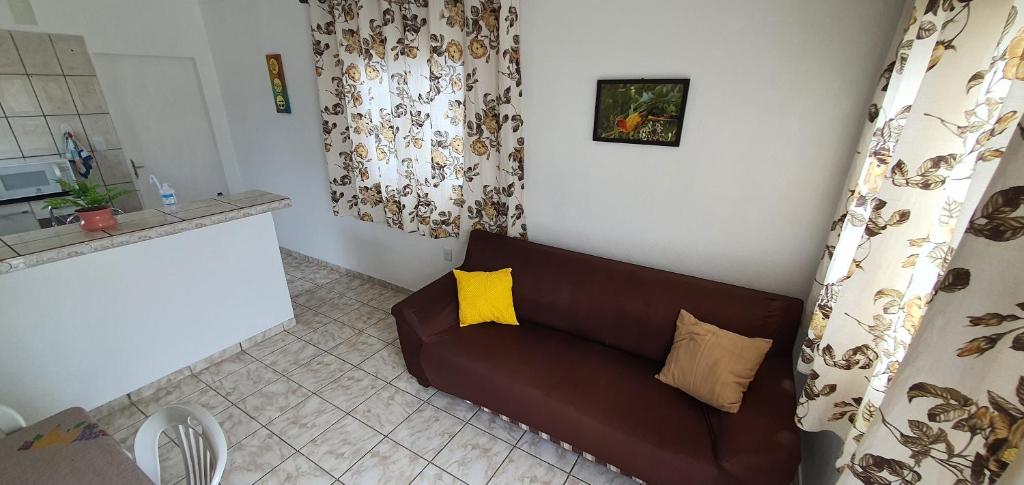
{"x":66,"y":448}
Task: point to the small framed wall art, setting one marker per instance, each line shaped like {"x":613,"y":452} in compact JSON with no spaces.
{"x":277,"y":83}
{"x":640,"y":111}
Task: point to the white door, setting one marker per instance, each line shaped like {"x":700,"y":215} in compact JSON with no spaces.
{"x":161,"y":119}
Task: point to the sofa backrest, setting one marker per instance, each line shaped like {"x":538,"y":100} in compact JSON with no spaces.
{"x":622,"y":305}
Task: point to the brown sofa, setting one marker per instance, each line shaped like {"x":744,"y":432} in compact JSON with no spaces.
{"x":581,"y":365}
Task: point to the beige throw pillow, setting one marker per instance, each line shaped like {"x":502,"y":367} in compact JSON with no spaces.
{"x":713,"y":365}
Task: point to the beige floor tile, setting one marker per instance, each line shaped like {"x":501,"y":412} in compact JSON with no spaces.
{"x":337,"y":307}
{"x":366,"y":292}
{"x":386,"y":408}
{"x":432,"y":475}
{"x":300,"y":424}
{"x":342,"y":445}
{"x":522,"y":468}
{"x":321,"y":275}
{"x":256,"y":455}
{"x":320,"y":371}
{"x":426,"y":431}
{"x":362,"y":316}
{"x":388,"y":299}
{"x":298,"y":286}
{"x":548,"y":451}
{"x":493,"y":424}
{"x":351,"y":389}
{"x":308,"y":322}
{"x":297,"y":470}
{"x":357,"y":348}
{"x":314,"y":298}
{"x":453,"y":405}
{"x":596,"y":474}
{"x":291,"y":356}
{"x":406,"y":382}
{"x":208,"y":399}
{"x":385,"y":463}
{"x":270,"y":344}
{"x":472,"y":455}
{"x":385,"y":329}
{"x":119,"y":419}
{"x":273,"y":400}
{"x":226,"y":367}
{"x":386,"y":364}
{"x":329,"y":335}
{"x":236,"y":425}
{"x":250,"y":379}
{"x":346,"y":284}
{"x":172,"y":393}
{"x":299,"y":309}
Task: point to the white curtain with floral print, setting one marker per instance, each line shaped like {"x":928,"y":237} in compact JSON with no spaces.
{"x":422,"y":112}
{"x":935,"y":135}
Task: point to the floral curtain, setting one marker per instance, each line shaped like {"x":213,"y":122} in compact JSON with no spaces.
{"x":422,"y":112}
{"x":955,"y":411}
{"x":936,"y":132}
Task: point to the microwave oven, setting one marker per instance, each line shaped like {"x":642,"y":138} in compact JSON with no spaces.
{"x":34,"y":180}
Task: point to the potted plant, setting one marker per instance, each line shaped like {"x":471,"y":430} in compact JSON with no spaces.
{"x":92,"y":205}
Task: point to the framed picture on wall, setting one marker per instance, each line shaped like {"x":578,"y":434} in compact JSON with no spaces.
{"x":640,"y":111}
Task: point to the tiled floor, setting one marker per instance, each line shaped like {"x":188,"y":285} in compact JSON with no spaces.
{"x":329,"y":402}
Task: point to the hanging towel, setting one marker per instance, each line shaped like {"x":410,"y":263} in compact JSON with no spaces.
{"x":78,"y":156}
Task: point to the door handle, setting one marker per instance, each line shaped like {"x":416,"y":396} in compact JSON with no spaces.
{"x":135,"y":168}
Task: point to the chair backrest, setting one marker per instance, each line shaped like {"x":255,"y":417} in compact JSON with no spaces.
{"x":204,"y":450}
{"x":10,"y":421}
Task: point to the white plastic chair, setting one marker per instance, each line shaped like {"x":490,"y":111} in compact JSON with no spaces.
{"x":204,"y":451}
{"x":10,"y":421}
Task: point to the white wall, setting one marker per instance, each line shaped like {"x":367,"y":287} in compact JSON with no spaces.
{"x":778,"y":97}
{"x":146,"y":28}
{"x":283,"y":153}
{"x":176,"y":300}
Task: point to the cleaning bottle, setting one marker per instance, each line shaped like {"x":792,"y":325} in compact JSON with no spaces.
{"x":167,"y":197}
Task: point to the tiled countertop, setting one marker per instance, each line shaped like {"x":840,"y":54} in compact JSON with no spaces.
{"x":34,"y":248}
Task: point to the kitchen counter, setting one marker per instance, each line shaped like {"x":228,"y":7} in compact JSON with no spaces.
{"x":88,"y":317}
{"x":38,"y":247}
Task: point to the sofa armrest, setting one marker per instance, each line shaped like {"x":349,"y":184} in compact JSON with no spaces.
{"x":431,"y":310}
{"x":761,"y":443}
{"x":422,"y":316}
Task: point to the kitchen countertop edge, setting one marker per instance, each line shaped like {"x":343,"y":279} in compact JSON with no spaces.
{"x":20,"y":262}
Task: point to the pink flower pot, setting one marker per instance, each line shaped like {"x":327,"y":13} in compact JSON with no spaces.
{"x":96,"y":220}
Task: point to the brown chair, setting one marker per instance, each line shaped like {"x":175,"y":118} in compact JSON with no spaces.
{"x":581,"y":365}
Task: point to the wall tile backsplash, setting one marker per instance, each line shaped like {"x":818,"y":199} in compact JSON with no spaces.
{"x":48,"y":84}
{"x":33,"y":135}
{"x":36,"y":53}
{"x":87,"y":95}
{"x":54,"y":96}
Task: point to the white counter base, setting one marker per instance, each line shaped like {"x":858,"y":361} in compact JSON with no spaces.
{"x":85,"y":330}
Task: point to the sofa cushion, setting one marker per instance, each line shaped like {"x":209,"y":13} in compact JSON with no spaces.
{"x":597,"y":398}
{"x":713,"y":365}
{"x":623,"y":305}
{"x":485,"y":296}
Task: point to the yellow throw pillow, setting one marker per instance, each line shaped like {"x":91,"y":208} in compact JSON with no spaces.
{"x":485,"y":296}
{"x":713,"y":365}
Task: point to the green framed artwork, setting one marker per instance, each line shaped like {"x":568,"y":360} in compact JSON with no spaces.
{"x":277,"y":83}
{"x":640,"y":111}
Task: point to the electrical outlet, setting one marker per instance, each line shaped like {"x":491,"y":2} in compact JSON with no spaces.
{"x":447,"y":254}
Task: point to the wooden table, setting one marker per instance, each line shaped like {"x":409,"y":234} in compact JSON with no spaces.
{"x":68,"y":447}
